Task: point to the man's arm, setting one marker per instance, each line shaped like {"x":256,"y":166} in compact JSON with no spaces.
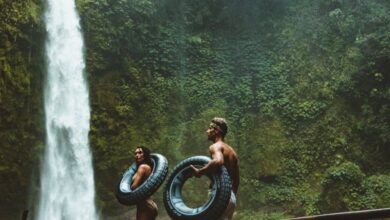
{"x":216,"y":161}
{"x":140,"y":176}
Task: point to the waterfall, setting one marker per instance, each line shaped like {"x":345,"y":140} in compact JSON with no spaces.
{"x":67,"y":189}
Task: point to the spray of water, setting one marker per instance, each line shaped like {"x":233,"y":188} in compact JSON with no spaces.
{"x":67,"y":182}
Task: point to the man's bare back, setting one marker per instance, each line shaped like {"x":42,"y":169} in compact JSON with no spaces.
{"x":230,"y":161}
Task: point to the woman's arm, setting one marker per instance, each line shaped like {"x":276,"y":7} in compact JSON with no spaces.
{"x":141,"y":175}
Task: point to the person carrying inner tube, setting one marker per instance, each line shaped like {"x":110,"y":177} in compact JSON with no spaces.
{"x":221,"y":154}
{"x":146,"y":209}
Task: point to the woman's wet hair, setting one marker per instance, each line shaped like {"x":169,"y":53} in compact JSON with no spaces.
{"x":147,"y":157}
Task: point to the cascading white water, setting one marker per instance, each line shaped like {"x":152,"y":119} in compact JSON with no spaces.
{"x":67,"y":181}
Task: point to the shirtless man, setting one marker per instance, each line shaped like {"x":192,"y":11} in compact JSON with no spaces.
{"x":147,"y":209}
{"x":221,"y":154}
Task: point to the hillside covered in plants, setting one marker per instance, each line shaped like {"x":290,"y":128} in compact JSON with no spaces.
{"x":304,"y":85}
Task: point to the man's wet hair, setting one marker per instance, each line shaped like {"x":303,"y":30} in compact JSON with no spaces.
{"x":220,"y":124}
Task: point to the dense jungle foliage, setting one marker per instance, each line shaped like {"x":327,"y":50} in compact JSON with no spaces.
{"x":304,"y":85}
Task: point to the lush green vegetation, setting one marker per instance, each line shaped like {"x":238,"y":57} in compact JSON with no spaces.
{"x":21,"y":125}
{"x":304,"y":85}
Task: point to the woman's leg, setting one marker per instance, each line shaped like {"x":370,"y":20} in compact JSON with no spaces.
{"x":147,"y":210}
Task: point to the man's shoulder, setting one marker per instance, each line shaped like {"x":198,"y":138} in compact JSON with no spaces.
{"x":222,"y":146}
{"x":215,"y":146}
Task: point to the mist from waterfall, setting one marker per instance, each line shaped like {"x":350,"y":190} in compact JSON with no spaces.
{"x":67,"y":190}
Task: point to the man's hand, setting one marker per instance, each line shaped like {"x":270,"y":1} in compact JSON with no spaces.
{"x":196,"y":172}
